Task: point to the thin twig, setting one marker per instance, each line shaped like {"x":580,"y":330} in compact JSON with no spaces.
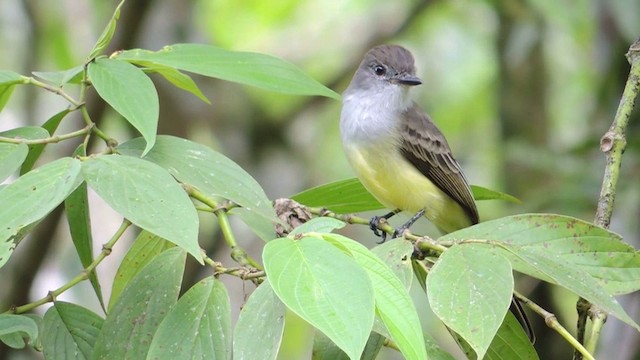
{"x":84,"y":275}
{"x":48,"y":140}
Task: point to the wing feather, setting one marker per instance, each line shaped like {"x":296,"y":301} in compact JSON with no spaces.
{"x":424,"y":146}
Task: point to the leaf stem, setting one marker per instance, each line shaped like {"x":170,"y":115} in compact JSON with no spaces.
{"x":84,"y":275}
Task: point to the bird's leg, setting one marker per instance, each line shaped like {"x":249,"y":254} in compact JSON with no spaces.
{"x":375,"y":221}
{"x":398,"y":232}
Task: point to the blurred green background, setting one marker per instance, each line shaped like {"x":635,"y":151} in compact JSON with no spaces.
{"x":523,"y":90}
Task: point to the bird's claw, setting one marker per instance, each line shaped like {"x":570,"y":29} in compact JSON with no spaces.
{"x":374,"y":226}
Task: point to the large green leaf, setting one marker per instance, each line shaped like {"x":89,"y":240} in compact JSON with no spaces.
{"x":32,"y":197}
{"x":209,"y":171}
{"x":343,"y":196}
{"x":393,"y":303}
{"x":147,"y":195}
{"x":198,"y":327}
{"x":18,"y":330}
{"x":248,"y":68}
{"x":597,"y":251}
{"x":130,"y":92}
{"x":70,"y":332}
{"x":11,"y":157}
{"x":77,"y":209}
{"x":260,"y":326}
{"x":349,"y":195}
{"x":144,"y":249}
{"x":129,"y":328}
{"x":325,"y":287}
{"x":510,"y":343}
{"x":571,"y":277}
{"x":470,"y":289}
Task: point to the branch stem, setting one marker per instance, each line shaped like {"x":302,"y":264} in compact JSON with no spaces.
{"x":84,"y":275}
{"x":552,"y":322}
{"x":612,"y":143}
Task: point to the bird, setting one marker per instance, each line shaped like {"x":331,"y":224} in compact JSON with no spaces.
{"x":400,"y":155}
{"x":397,"y":152}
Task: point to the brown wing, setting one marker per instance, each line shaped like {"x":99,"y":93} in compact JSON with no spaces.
{"x":425,"y":147}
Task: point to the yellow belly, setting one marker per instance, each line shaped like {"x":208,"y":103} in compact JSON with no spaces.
{"x":397,"y":184}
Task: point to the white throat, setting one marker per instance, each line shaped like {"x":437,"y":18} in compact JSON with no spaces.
{"x":372,"y":114}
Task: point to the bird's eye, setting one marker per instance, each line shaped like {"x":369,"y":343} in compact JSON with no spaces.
{"x":379,"y":70}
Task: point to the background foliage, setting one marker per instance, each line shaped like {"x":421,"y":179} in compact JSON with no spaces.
{"x":522,"y":89}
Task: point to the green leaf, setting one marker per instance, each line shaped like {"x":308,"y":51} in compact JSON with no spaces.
{"x":260,"y":225}
{"x":470,"y":289}
{"x":11,"y":157}
{"x":392,"y":301}
{"x":144,"y":249}
{"x":209,"y":171}
{"x":260,"y":326}
{"x":70,"y":331}
{"x":325,"y":287}
{"x":8,"y":77}
{"x":77,"y":209}
{"x":349,"y":196}
{"x":33,"y":196}
{"x":318,"y":224}
{"x":36,"y":150}
{"x":325,"y":349}
{"x":5,"y":94}
{"x":482,"y":193}
{"x":147,"y":195}
{"x":511,"y":342}
{"x":396,"y":253}
{"x":572,"y":278}
{"x":344,"y":196}
{"x":26,"y":132}
{"x":198,"y":327}
{"x":107,"y":34}
{"x":8,"y":80}
{"x":179,"y":79}
{"x":597,"y":251}
{"x":129,"y":328}
{"x":61,"y":78}
{"x":16,"y":330}
{"x":263,"y":71}
{"x":130,"y":92}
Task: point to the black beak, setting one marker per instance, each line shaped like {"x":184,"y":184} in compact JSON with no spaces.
{"x":409,"y":80}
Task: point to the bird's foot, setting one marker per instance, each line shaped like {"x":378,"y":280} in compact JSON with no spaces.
{"x":374,"y":225}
